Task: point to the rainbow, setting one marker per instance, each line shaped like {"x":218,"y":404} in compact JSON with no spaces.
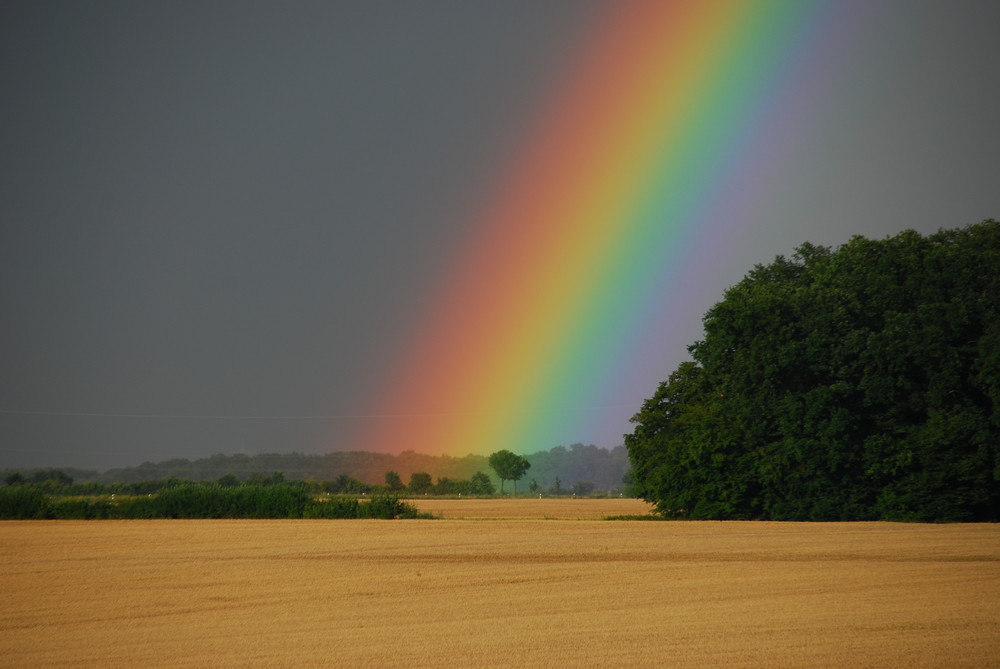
{"x":624,"y":167}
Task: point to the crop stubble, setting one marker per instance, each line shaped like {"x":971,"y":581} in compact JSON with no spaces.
{"x":482,"y":593}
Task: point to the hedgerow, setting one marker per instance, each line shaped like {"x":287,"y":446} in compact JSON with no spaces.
{"x":193,"y":500}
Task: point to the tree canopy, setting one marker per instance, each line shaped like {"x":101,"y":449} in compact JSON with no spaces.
{"x":393,"y":481}
{"x":509,"y":466}
{"x":420,"y":482}
{"x":848,"y":384}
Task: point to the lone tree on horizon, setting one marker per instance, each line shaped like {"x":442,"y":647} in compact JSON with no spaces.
{"x":509,"y":467}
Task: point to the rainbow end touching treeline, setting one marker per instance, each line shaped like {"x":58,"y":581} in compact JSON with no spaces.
{"x":661,"y":130}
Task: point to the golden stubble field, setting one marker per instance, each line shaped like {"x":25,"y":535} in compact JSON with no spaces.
{"x":523,"y":583}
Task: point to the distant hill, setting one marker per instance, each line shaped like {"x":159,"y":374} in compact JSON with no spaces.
{"x":576,"y":464}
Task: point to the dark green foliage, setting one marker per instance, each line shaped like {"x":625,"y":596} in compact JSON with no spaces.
{"x":196,"y":500}
{"x":480,"y":484}
{"x":861,"y":383}
{"x":445,"y":486}
{"x":51,"y":478}
{"x":393,"y":481}
{"x":420,"y":483}
{"x":384,"y":506}
{"x":345,"y":484}
{"x":76,"y":508}
{"x":256,"y":479}
{"x":191,"y":500}
{"x":17,"y":478}
{"x":22,"y":502}
{"x":229,"y":481}
{"x":509,"y":467}
{"x":276,"y":500}
{"x":334,"y":507}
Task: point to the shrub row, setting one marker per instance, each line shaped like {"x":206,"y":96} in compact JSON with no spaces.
{"x":200,"y":501}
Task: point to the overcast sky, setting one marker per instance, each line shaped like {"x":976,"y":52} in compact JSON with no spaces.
{"x":220,"y":219}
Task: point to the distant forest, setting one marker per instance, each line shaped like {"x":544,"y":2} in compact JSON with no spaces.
{"x":578,"y":468}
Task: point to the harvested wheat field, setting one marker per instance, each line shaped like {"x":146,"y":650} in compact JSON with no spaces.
{"x":483,"y":593}
{"x":524,"y":508}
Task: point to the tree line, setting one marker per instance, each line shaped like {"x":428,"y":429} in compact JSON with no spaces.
{"x":556,"y":471}
{"x":51,"y":493}
{"x":58,"y":483}
{"x":859,"y":383}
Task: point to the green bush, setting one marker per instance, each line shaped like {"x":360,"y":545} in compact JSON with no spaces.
{"x":385,"y":506}
{"x":23,"y":502}
{"x":139,"y":507}
{"x":201,"y":501}
{"x":333,"y":507}
{"x":75,"y":508}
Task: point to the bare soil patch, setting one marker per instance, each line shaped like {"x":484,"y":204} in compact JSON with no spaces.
{"x":475,"y":593}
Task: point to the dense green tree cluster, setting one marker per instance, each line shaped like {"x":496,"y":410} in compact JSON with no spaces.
{"x":509,"y":467}
{"x":856,"y":383}
{"x":479,"y":485}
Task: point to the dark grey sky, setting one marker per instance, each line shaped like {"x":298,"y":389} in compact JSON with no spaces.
{"x":219,"y":219}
